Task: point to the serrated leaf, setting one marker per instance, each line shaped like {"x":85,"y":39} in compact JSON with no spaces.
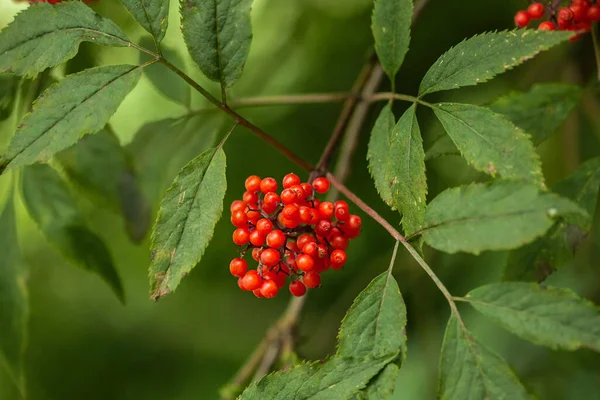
{"x":53,"y":209}
{"x":153,"y":15}
{"x":186,"y":220}
{"x":43,"y":36}
{"x":480,"y":58}
{"x":489,"y":142}
{"x":99,"y":166}
{"x":469,"y":370}
{"x":337,"y":378}
{"x":379,"y":152}
{"x":382,"y":386}
{"x":541,"y":110}
{"x":582,"y":186}
{"x":374,"y":325}
{"x":547,"y":316}
{"x":80,"y":104}
{"x":218,"y":35}
{"x":14,"y":307}
{"x":461,"y":219}
{"x":166,"y":82}
{"x":391,"y":29}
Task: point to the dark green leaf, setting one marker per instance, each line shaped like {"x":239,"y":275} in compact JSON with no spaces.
{"x":379,"y":153}
{"x":541,"y":111}
{"x":51,"y":206}
{"x":8,"y":92}
{"x":480,"y":58}
{"x":469,"y":370}
{"x":374,"y":325}
{"x":14,"y":307}
{"x":382,"y":386}
{"x":582,"y":186}
{"x":489,"y":142}
{"x":391,"y":30}
{"x":102,"y":168}
{"x":43,"y":36}
{"x":461,"y":219}
{"x":80,"y":104}
{"x":186,"y":220}
{"x":552,"y":317}
{"x":218,"y":35}
{"x":153,"y":15}
{"x":165,"y":81}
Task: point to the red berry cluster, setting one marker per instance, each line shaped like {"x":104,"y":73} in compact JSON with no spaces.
{"x":292,"y":234}
{"x":52,"y":1}
{"x":577,"y":16}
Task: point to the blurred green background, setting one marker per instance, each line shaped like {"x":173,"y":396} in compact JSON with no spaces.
{"x":83,"y":344}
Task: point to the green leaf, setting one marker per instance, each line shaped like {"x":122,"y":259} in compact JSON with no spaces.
{"x":489,"y":142}
{"x":382,"y":386}
{"x":166,"y":82}
{"x":469,"y":370}
{"x":53,"y":209}
{"x":461,"y":219}
{"x":153,"y":15}
{"x":186,"y":220}
{"x":43,"y":36}
{"x":99,"y":166}
{"x":9,"y":85}
{"x":391,"y":30}
{"x":337,"y":378}
{"x":541,"y":111}
{"x":547,"y":316}
{"x":582,"y":186}
{"x":379,"y":153}
{"x":375,"y":324}
{"x":218,"y":35}
{"x":14,"y":307}
{"x":80,"y":104}
{"x":480,"y":58}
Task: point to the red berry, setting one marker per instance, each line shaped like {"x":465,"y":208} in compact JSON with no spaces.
{"x":305,"y":262}
{"x":269,"y":289}
{"x":297,"y":288}
{"x":264,"y":226}
{"x":268,"y":185}
{"x":321,"y":185}
{"x":238,"y":267}
{"x":535,"y":10}
{"x":276,"y":239}
{"x":237,"y":205}
{"x":326,"y":210}
{"x":288,"y":223}
{"x":252,"y":280}
{"x":288,"y":196}
{"x":338,"y":258}
{"x":579,"y":12}
{"x":291,"y":212}
{"x":322,"y":251}
{"x":270,"y":202}
{"x":354,"y":222}
{"x":522,"y":19}
{"x":253,"y":183}
{"x":250,"y":197}
{"x":341,"y":214}
{"x":311,"y":279}
{"x":253,"y":216}
{"x":301,"y":194}
{"x":241,"y":236}
{"x":304,"y":239}
{"x":565,"y":14}
{"x":290,"y":180}
{"x":546,"y":26}
{"x":305,"y":214}
{"x":239,"y":219}
{"x":256,"y":252}
{"x":593,"y":13}
{"x":258,"y":294}
{"x":241,"y":283}
{"x":256,"y":238}
{"x":311,"y":249}
{"x":323,"y":227}
{"x":339,"y":242}
{"x":270,"y":257}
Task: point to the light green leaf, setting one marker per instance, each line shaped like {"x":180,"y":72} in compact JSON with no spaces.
{"x":153,"y":15}
{"x":80,"y":104}
{"x":375,"y":324}
{"x":480,"y":58}
{"x":382,"y":386}
{"x":379,"y":153}
{"x":469,"y":370}
{"x":218,"y":35}
{"x":391,"y":30}
{"x":51,"y":206}
{"x":43,"y":36}
{"x":14,"y":307}
{"x":186,"y":220}
{"x":166,"y":82}
{"x":489,"y":142}
{"x":541,"y":111}
{"x":99,"y":166}
{"x":547,"y":316}
{"x":460,"y":219}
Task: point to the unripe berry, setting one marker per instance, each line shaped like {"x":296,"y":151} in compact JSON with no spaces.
{"x":297,"y":288}
{"x":238,"y":267}
{"x":241,"y":236}
{"x":535,"y":10}
{"x":290,"y":180}
{"x":276,"y":239}
{"x":522,"y":19}
{"x":311,"y":279}
{"x":268,"y":185}
{"x":253,"y":183}
{"x":321,"y":185}
{"x":270,"y":257}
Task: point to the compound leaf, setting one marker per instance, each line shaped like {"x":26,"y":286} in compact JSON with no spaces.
{"x":391,"y":29}
{"x":153,"y":15}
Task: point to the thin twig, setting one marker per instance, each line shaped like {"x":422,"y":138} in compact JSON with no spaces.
{"x":308,"y":98}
